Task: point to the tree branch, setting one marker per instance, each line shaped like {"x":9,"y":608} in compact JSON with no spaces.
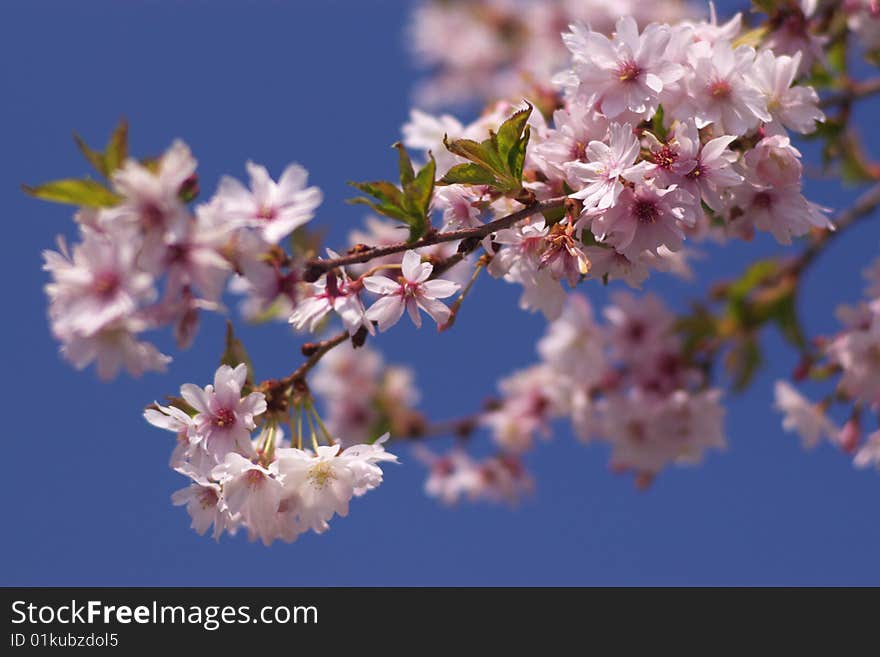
{"x":317,"y":266}
{"x":854,"y":91}
{"x":862,"y":208}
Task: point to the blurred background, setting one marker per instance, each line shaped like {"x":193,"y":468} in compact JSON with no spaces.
{"x":328,"y":85}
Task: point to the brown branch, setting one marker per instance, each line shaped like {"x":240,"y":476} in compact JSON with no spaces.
{"x":862,"y":208}
{"x":854,"y":91}
{"x":317,"y":351}
{"x":274,"y":389}
{"x":317,"y":266}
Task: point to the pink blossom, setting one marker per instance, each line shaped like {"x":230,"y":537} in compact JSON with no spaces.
{"x":111,"y":348}
{"x":252,"y":491}
{"x":275,"y":208}
{"x":331,"y":293}
{"x":721,"y":92}
{"x":151,"y":197}
{"x":224,"y":418}
{"x":806,"y":419}
{"x":792,"y":107}
{"x":97,"y":285}
{"x":626,"y":73}
{"x":412,"y":291}
{"x":597,"y":181}
{"x":206,"y":506}
{"x":645,"y":218}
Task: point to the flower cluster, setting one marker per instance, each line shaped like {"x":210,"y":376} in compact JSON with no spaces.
{"x":668,"y":133}
{"x":259,"y":483}
{"x":105,"y":289}
{"x":457,"y":476}
{"x":506,"y":47}
{"x":628,"y":382}
{"x":852,"y":357}
{"x":618,"y":142}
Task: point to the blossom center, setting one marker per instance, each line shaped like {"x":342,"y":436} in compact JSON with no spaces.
{"x":720,"y":89}
{"x":762,"y":200}
{"x":178,"y":252}
{"x":106,"y":283}
{"x":224,"y":417}
{"x":665,"y":157}
{"x":695,"y":173}
{"x":321,"y":473}
{"x":646,"y":211}
{"x":254,"y":478}
{"x":152,"y":215}
{"x":267,"y":213}
{"x":411,"y":289}
{"x":629,"y":71}
{"x":208,"y":498}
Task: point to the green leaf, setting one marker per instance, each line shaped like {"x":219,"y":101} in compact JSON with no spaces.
{"x":386,"y":209}
{"x":420,"y":191}
{"x":407,"y":173}
{"x":179,"y":402}
{"x":484,"y":153}
{"x":743,"y":361}
{"x":468,"y":174}
{"x":837,"y":56}
{"x":235,"y":354}
{"x":755,"y":275}
{"x":83,"y":192}
{"x":382,"y":190}
{"x":390,"y":199}
{"x":418,"y":194}
{"x":409,"y":203}
{"x":517,"y":157}
{"x":497,"y":161}
{"x":658,"y":129}
{"x":95,"y":158}
{"x":786,"y":318}
{"x":114,"y":154}
{"x":510,"y":131}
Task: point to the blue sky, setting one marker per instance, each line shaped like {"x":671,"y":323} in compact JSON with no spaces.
{"x":327,"y":84}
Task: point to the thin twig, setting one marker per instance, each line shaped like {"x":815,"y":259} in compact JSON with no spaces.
{"x":854,"y":91}
{"x":320,"y":348}
{"x":317,"y":266}
{"x":862,"y":208}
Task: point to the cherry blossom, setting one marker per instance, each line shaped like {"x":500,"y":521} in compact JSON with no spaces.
{"x":96,"y":284}
{"x":721,"y":92}
{"x":626,"y":73}
{"x":598,"y":180}
{"x":803,"y":417}
{"x":321,"y":484}
{"x":792,"y":107}
{"x":331,"y":293}
{"x":412,"y":291}
{"x":646,"y":218}
{"x":275,"y":208}
{"x":206,"y":506}
{"x":224,"y":419}
{"x":251,"y":491}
